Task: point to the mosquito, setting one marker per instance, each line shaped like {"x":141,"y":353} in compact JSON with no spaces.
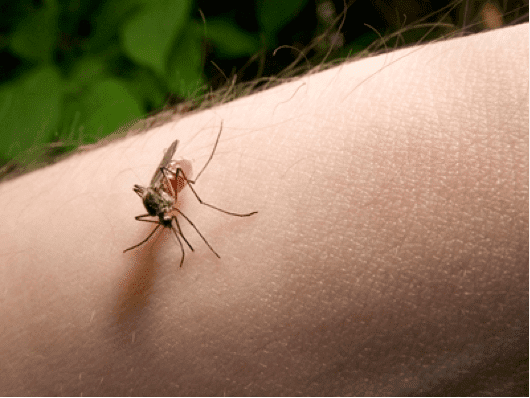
{"x":160,"y":198}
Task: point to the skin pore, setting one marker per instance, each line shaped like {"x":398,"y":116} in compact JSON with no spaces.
{"x":389,"y":255}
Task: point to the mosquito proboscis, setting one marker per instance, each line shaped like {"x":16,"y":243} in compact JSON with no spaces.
{"x":160,"y":198}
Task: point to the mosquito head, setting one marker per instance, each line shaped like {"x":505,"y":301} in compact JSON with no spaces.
{"x":141,"y":191}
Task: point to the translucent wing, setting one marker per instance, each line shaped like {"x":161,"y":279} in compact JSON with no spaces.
{"x":157,"y":177}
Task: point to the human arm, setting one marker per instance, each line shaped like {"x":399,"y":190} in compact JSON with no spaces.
{"x":389,"y":254}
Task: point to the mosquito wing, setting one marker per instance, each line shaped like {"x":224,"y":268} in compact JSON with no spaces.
{"x":157,"y":177}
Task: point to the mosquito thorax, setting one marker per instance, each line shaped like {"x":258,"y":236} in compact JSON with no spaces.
{"x":157,"y":202}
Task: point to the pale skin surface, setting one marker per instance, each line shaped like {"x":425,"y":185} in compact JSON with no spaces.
{"x":389,"y":254}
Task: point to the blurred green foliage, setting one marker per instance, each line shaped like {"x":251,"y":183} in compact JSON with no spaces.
{"x":74,"y":71}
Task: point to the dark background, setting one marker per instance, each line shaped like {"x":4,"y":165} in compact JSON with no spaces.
{"x":75,"y":71}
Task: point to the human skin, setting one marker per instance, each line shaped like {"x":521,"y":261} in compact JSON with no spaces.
{"x":389,"y":255}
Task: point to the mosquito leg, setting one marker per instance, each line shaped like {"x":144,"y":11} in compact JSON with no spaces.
{"x":209,"y":159}
{"x":145,"y":240}
{"x":188,"y":182}
{"x":196,"y":229}
{"x":180,"y":242}
{"x":180,"y":231}
{"x":212,"y":206}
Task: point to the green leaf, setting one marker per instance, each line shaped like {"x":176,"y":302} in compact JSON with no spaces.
{"x":275,"y":14}
{"x":229,"y":40}
{"x":29,"y":110}
{"x":86,"y":71}
{"x":146,"y":88}
{"x":148,"y":37}
{"x":100,"y":110}
{"x":35,"y":36}
{"x":109,"y":20}
{"x":185,"y":76}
